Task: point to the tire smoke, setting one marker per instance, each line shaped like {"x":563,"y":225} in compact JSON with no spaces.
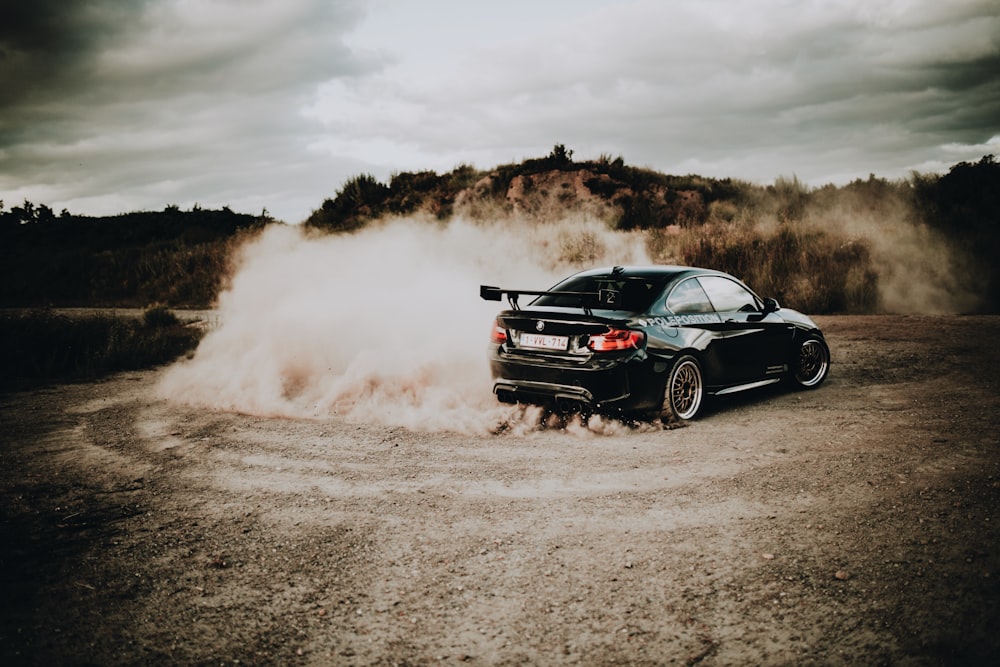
{"x":384,"y":325}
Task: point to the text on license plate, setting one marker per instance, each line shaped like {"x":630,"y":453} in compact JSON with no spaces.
{"x":544,"y":342}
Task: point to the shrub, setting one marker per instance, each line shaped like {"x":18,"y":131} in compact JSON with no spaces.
{"x":158,"y":315}
{"x":42,"y":345}
{"x":129,"y":260}
{"x":813,"y":271}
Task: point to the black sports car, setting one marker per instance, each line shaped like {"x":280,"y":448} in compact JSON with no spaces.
{"x":647,"y":341}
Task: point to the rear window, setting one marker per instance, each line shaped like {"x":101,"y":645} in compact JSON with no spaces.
{"x":637,"y":293}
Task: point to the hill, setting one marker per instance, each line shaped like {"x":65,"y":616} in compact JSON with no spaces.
{"x":927,"y":243}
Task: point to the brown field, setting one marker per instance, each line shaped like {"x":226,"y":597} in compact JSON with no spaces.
{"x":854,"y":524}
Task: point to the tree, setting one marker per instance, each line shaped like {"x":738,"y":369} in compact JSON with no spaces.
{"x":361,"y":199}
{"x":560,"y":155}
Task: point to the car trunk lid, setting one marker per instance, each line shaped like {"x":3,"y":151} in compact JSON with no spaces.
{"x":564,"y":333}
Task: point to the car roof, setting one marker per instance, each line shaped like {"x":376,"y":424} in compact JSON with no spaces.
{"x":657,"y":271}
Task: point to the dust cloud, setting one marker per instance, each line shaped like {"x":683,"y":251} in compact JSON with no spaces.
{"x":920,"y":271}
{"x":384,"y":325}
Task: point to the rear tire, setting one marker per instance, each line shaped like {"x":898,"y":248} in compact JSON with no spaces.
{"x":684,"y":392}
{"x":811,"y":363}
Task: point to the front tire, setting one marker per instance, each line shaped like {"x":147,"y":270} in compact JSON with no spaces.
{"x":811,"y":364}
{"x":684,"y":391}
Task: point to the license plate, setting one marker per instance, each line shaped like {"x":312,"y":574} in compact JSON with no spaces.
{"x":544,"y":342}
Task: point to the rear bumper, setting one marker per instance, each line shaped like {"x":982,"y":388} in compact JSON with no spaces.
{"x":562,"y":398}
{"x":607,"y":384}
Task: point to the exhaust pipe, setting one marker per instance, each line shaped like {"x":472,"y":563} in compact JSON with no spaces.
{"x":565,"y":406}
{"x":506,"y":396}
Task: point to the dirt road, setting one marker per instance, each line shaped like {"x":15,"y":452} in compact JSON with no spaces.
{"x":854,"y":524}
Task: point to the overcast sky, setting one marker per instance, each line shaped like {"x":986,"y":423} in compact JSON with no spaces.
{"x":109,"y":106}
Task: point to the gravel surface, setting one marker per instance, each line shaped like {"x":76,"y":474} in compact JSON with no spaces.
{"x":854,"y":524}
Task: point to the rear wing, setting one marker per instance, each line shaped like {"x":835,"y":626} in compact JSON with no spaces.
{"x":605,"y":298}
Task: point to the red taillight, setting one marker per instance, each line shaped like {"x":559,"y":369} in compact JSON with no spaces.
{"x":499,"y":335}
{"x":616,"y":339}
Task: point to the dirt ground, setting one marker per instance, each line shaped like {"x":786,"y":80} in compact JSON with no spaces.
{"x":855,"y":524}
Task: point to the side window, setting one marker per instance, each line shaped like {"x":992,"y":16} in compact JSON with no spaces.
{"x":728,"y":296}
{"x":687,"y":298}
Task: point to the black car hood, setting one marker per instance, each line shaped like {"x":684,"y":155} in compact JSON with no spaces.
{"x":797,"y":318}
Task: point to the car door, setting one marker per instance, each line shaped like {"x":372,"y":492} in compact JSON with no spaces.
{"x":755,"y":343}
{"x":691,"y":311}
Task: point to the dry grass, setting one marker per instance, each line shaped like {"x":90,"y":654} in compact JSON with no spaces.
{"x":41,"y":345}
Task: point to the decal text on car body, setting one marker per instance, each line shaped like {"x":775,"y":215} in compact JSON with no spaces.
{"x":682,"y":320}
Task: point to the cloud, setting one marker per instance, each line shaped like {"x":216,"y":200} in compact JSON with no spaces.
{"x":769,"y":87}
{"x":110,"y":106}
{"x":165,"y":101}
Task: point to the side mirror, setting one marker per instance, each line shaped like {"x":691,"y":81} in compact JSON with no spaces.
{"x":771,"y":305}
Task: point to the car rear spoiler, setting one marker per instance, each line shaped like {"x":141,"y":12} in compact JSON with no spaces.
{"x":605,"y":298}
